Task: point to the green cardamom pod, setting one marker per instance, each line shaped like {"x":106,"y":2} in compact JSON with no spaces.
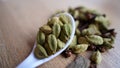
{"x":40,"y":52}
{"x":82,"y":40}
{"x":92,"y":29}
{"x":96,"y":57}
{"x":67,"y":29}
{"x":80,"y":48}
{"x":52,"y":42}
{"x":56,"y":29}
{"x":54,"y":20}
{"x":41,"y":38}
{"x":97,"y":40}
{"x":49,"y":51}
{"x":64,"y":18}
{"x":107,"y":43}
{"x":74,"y":42}
{"x":46,"y":29}
{"x":63,"y":37}
{"x":76,"y":14}
{"x":77,"y":23}
{"x":77,"y":32}
{"x":60,"y":44}
{"x":103,"y":22}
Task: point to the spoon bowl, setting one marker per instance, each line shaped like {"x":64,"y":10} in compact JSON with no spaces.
{"x":31,"y":61}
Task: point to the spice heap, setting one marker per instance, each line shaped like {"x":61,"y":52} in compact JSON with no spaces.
{"x":52,"y":36}
{"x":92,"y":33}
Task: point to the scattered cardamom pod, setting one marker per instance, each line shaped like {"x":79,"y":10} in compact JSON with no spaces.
{"x":56,"y":29}
{"x":52,"y":42}
{"x":96,"y":57}
{"x":41,"y":38}
{"x":77,"y":23}
{"x":95,"y":39}
{"x":80,"y":48}
{"x":74,"y":42}
{"x":103,"y":22}
{"x":40,"y":52}
{"x":46,"y":29}
{"x":82,"y":40}
{"x":77,"y":32}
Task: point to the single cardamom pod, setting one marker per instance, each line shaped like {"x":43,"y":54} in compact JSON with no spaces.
{"x":82,"y":40}
{"x":76,"y":14}
{"x":41,"y":38}
{"x":97,"y":40}
{"x":49,"y":51}
{"x":103,"y":22}
{"x":74,"y":42}
{"x":63,"y":37}
{"x":67,"y":29}
{"x":60,"y":44}
{"x":46,"y":29}
{"x":52,"y":42}
{"x":40,"y":52}
{"x":64,"y":19}
{"x":96,"y":57}
{"x":92,"y":29}
{"x":77,"y":32}
{"x":107,"y":43}
{"x":80,"y":48}
{"x":77,"y":23}
{"x":54,"y":20}
{"x":56,"y":29}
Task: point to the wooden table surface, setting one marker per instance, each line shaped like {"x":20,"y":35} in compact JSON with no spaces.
{"x":20,"y":20}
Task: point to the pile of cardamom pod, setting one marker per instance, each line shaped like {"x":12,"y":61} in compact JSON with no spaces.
{"x":92,"y":33}
{"x":52,"y":36}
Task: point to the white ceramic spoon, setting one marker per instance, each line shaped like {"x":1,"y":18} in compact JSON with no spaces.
{"x":31,"y":61}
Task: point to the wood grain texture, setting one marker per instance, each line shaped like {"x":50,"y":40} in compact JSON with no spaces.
{"x":20,"y":20}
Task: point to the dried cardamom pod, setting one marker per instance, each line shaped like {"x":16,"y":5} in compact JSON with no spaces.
{"x":92,"y":29}
{"x":56,"y":29}
{"x":64,"y":19}
{"x":41,"y":38}
{"x":74,"y":42}
{"x":40,"y":52}
{"x":80,"y":48}
{"x":77,"y":32}
{"x":46,"y":29}
{"x":63,"y":37}
{"x":82,"y":40}
{"x":60,"y":44}
{"x":52,"y":42}
{"x":48,"y":50}
{"x":107,"y":43}
{"x":54,"y":20}
{"x":97,"y":40}
{"x":67,"y":29}
{"x":76,"y":14}
{"x":103,"y":22}
{"x":77,"y":23}
{"x":96,"y":57}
